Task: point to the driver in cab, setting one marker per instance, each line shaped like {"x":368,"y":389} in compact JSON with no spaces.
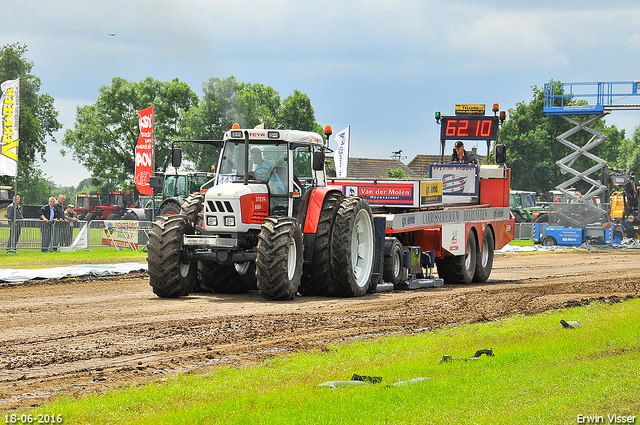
{"x":264,"y":170}
{"x":462,"y":156}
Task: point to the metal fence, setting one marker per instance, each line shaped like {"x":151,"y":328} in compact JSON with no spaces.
{"x":33,"y":233}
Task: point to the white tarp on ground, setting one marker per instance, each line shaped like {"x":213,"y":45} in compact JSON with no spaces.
{"x":19,"y":275}
{"x":625,"y":244}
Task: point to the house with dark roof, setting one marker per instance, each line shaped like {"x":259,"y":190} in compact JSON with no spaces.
{"x":420,"y":164}
{"x":371,"y":168}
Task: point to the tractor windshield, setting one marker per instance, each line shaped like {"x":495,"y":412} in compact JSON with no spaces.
{"x":267,"y":164}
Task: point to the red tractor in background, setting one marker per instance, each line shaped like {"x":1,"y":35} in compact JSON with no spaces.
{"x":89,"y":207}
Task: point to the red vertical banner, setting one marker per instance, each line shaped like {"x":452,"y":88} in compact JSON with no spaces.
{"x":144,"y":152}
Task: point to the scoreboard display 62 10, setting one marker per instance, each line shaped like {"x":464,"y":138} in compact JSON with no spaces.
{"x":470,"y":127}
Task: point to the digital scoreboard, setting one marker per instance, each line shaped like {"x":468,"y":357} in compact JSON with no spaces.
{"x":469,"y":127}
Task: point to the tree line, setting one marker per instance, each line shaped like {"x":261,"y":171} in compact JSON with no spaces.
{"x":105,"y":133}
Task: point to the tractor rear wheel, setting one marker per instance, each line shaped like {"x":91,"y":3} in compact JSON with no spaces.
{"x":316,"y":277}
{"x":90,"y":216}
{"x":459,"y":268}
{"x":279,"y":258}
{"x":113,"y":216}
{"x":393,"y":270}
{"x":169,"y":276}
{"x":352,"y":248}
{"x":484,"y":259}
{"x":170,"y":208}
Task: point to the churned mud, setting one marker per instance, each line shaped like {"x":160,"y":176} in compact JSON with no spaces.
{"x":85,"y":335}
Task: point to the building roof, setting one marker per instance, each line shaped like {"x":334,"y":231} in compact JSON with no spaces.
{"x":420,"y":163}
{"x":373,"y":168}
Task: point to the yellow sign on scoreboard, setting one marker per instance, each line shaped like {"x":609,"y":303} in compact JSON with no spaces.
{"x":470,"y":109}
{"x":430,"y":192}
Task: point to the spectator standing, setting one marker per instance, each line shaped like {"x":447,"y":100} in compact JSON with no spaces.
{"x":47,"y":215}
{"x":59,"y":221}
{"x":71,"y":217}
{"x":15,"y":226}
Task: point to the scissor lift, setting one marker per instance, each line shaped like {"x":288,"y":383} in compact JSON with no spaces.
{"x":598,"y":99}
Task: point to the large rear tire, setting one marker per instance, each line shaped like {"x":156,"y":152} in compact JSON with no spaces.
{"x":169,"y":276}
{"x":279,"y":258}
{"x":484,"y":258}
{"x":352,"y":248}
{"x":316,"y":277}
{"x":170,"y":208}
{"x":90,"y":216}
{"x":459,"y":268}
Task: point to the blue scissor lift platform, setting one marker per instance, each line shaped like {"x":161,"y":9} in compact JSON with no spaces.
{"x":597,"y":99}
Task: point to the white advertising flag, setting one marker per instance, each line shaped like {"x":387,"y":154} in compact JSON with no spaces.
{"x":341,"y":157}
{"x":10,"y":109}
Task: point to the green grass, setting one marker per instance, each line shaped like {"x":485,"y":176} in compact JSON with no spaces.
{"x":34,"y":259}
{"x":541,"y":373}
{"x":522,"y":242}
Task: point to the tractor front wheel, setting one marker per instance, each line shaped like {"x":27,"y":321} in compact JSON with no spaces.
{"x":169,"y":276}
{"x":279,"y":258}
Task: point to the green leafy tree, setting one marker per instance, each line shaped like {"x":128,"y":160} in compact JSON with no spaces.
{"x":228,"y":101}
{"x":533,"y":148}
{"x":398,"y":173}
{"x":105,"y":134}
{"x":629,"y":154}
{"x":38,"y":120}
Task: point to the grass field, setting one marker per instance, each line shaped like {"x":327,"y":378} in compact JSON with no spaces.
{"x":34,"y":259}
{"x":541,"y":373}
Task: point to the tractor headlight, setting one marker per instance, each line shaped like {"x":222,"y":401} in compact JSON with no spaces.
{"x":230,"y":221}
{"x":212,"y":220}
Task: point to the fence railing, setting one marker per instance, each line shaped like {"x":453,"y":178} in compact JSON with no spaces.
{"x":37,"y":234}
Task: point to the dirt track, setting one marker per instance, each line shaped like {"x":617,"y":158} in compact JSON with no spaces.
{"x":86,"y":335}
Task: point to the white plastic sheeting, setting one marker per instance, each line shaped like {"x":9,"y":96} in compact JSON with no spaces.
{"x":19,"y":275}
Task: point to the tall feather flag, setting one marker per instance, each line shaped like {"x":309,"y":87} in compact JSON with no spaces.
{"x":144,"y":152}
{"x":10,"y":109}
{"x":341,"y":157}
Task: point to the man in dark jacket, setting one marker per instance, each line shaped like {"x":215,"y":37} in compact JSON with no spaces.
{"x":59,"y":221}
{"x":47,"y":216}
{"x":629,"y":229}
{"x":13,"y":212}
{"x":462,"y":156}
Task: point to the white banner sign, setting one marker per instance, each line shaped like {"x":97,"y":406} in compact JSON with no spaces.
{"x":10,"y":109}
{"x":341,"y":157}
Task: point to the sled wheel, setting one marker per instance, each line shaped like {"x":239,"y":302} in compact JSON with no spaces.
{"x":459,"y":268}
{"x":484,"y":259}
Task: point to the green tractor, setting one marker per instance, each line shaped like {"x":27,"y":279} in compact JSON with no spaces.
{"x":523,"y":206}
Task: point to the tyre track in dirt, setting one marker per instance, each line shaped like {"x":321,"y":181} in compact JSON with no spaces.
{"x":81,"y":336}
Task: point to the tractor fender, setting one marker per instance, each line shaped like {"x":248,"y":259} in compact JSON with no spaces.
{"x":310,"y":210}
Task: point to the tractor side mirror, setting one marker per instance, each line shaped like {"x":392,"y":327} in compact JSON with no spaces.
{"x":501,"y":154}
{"x":318,"y":161}
{"x":176,"y":157}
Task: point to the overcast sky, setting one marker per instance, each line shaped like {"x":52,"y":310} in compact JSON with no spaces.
{"x":382,"y":67}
